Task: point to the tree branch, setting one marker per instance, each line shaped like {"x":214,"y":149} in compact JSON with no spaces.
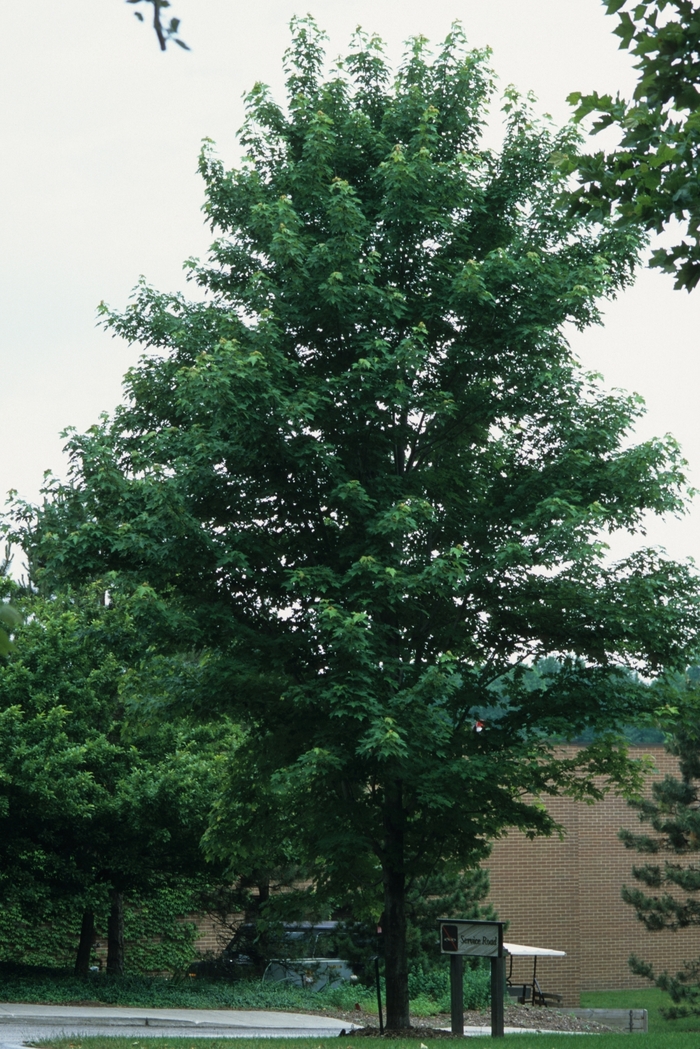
{"x":164,"y":33}
{"x":157,"y":25}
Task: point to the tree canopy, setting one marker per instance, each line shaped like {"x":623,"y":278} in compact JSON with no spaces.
{"x":650,"y":177}
{"x":368,"y":480}
{"x":92,"y":806}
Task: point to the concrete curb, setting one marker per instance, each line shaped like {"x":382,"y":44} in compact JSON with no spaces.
{"x":214,"y":1020}
{"x":634,"y":1021}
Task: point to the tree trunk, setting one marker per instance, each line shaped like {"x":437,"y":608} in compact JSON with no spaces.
{"x":394,"y":919}
{"x":115,"y":935}
{"x":264,"y":942}
{"x":263,"y":891}
{"x":87,"y":936}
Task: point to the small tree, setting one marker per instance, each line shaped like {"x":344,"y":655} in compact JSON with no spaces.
{"x":368,"y":469}
{"x":93,"y":808}
{"x":669,"y":897}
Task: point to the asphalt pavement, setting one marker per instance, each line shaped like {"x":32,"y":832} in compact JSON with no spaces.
{"x":22,"y":1024}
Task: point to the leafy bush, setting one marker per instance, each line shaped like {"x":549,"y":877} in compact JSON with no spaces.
{"x":422,"y":1006}
{"x":432,"y":984}
{"x":345,"y":995}
{"x":25,"y":984}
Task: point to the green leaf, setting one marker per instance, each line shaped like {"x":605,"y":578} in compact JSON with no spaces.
{"x":625,"y":30}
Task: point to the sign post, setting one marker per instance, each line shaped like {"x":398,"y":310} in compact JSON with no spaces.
{"x":498,"y":993}
{"x":459,"y":938}
{"x":457,"y":994}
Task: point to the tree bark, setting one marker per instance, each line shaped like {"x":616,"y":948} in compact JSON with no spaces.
{"x":394,"y":927}
{"x":263,"y":891}
{"x":115,"y":935}
{"x":87,"y":936}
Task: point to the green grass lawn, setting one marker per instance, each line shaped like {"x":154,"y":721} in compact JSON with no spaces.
{"x":651,"y":999}
{"x":524,"y":1041}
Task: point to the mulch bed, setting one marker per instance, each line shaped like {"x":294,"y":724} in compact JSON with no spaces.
{"x":533,"y":1018}
{"x":403,"y":1032}
{"x":536,"y":1018}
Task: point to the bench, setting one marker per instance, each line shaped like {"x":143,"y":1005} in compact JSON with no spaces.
{"x":540,"y":997}
{"x":522,"y":992}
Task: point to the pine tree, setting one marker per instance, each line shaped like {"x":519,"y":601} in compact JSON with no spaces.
{"x":670,"y":898}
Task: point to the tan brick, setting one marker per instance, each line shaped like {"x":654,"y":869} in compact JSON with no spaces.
{"x":566,"y":895}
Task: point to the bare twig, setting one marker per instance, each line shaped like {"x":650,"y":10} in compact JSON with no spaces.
{"x":164,"y":33}
{"x":157,"y":25}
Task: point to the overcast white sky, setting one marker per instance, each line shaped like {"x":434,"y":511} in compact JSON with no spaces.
{"x":100,"y":135}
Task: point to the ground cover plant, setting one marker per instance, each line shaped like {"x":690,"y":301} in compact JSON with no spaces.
{"x":58,"y":988}
{"x":360,"y":484}
{"x":429,"y":996}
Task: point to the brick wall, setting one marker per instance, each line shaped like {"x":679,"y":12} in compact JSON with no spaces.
{"x":566,"y":895}
{"x":212,"y":936}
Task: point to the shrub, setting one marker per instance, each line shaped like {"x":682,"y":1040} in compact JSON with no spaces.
{"x":433,"y":985}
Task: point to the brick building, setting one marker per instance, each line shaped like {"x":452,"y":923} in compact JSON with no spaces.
{"x":212,"y":937}
{"x":566,"y":895}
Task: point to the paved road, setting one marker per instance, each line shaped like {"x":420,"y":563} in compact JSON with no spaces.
{"x":23,"y":1024}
